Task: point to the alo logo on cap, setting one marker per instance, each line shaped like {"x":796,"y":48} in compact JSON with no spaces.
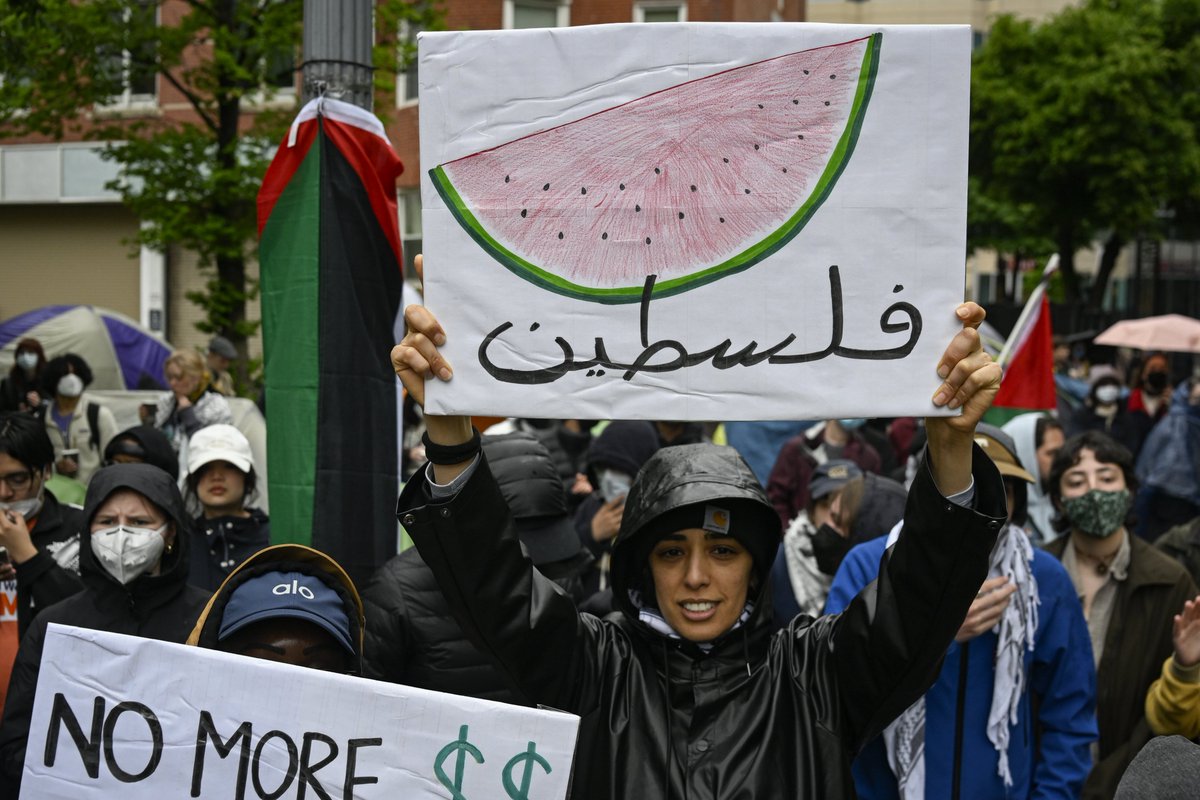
{"x":294,"y":588}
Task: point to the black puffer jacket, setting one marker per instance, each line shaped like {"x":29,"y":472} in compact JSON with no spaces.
{"x":220,"y":544}
{"x":53,"y":574}
{"x":758,"y":716}
{"x":159,"y":606}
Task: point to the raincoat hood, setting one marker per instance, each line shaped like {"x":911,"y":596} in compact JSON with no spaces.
{"x":283,"y":558}
{"x":154,"y":444}
{"x":686,"y":475}
{"x":159,"y":488}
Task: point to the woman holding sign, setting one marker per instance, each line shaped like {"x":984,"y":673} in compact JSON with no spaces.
{"x":134,"y":563}
{"x":688,"y":694}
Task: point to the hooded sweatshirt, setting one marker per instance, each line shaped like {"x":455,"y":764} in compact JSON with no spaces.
{"x":748,"y":714}
{"x":1039,"y":508}
{"x":158,"y":606}
{"x":282,"y":558}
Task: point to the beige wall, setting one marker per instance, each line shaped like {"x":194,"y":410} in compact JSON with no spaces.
{"x":65,"y":254}
{"x":184,"y":275}
{"x":977,"y":13}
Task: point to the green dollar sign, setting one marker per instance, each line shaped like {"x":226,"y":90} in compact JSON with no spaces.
{"x":529,"y":756}
{"x":462,"y":747}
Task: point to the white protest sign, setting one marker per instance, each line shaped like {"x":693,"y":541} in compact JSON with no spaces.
{"x":119,"y":716}
{"x":696,"y":220}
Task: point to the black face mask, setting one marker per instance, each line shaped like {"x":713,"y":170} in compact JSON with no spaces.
{"x":1156,"y":382}
{"x":829,"y":547}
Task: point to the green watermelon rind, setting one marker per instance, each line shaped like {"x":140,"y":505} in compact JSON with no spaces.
{"x":760,"y":250}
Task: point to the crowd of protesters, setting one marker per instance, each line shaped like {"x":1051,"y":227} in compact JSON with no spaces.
{"x":1012,"y":611}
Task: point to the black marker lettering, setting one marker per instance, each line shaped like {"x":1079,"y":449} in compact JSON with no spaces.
{"x":89,"y":748}
{"x":206,"y":730}
{"x":353,"y":780}
{"x":288,"y":776}
{"x":308,"y":770}
{"x":156,"y":741}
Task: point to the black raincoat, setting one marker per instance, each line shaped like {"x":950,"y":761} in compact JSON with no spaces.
{"x":159,"y":606}
{"x":758,"y":716}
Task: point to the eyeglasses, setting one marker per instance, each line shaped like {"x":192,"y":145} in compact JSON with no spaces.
{"x":17,"y":481}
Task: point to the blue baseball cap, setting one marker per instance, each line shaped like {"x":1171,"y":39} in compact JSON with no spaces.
{"x":287,"y":594}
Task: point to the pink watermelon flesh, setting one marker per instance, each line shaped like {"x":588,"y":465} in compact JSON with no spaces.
{"x":673,"y":182}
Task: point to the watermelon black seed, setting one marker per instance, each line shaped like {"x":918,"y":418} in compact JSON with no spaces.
{"x":755,"y":147}
{"x":785,"y":169}
{"x":657,"y":171}
{"x":760,"y":105}
{"x":546,"y":188}
{"x":826,"y":102}
{"x":726,"y":160}
{"x":604,"y":236}
{"x":805,"y":72}
{"x":831,"y":77}
{"x":535,"y":326}
{"x":524,"y":211}
{"x":681,"y":215}
{"x":747,"y":191}
{"x":599,"y":372}
{"x":622,"y":187}
{"x":721,"y":218}
{"x":637,"y":208}
{"x":591,"y":372}
{"x":647,"y":240}
{"x":693,"y":187}
{"x":583,"y":190}
{"x":795,"y":102}
{"x":800,"y":136}
{"x":560,"y":234}
{"x":506,"y":179}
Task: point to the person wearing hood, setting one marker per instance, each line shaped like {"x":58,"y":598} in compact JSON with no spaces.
{"x":1169,"y":466}
{"x":1129,"y":590}
{"x":79,"y":427}
{"x":614,"y":457}
{"x":412,"y":637}
{"x":686,"y":692}
{"x":1013,"y":711}
{"x":40,"y":534}
{"x":317,"y":622}
{"x":22,"y":389}
{"x":221,"y":478}
{"x":134,"y":566}
{"x":1038,"y":438}
{"x":142,"y":444}
{"x":865,"y":507}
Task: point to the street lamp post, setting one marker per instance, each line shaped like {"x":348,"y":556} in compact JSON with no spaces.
{"x":338,"y":35}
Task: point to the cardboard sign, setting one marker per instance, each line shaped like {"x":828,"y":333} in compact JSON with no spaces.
{"x":119,"y":716}
{"x":694,"y":221}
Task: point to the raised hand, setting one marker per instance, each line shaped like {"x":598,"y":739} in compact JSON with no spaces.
{"x":1186,"y":633}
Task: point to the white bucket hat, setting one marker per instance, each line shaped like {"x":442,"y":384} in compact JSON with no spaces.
{"x":219,"y":443}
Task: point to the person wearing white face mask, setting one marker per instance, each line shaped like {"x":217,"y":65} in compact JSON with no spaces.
{"x":79,"y":427}
{"x":134,"y":565}
{"x":22,"y":389}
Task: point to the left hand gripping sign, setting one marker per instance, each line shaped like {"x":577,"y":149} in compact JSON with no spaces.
{"x":693,"y":221}
{"x":118,"y":716}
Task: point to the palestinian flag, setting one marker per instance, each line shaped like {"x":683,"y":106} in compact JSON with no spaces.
{"x":1028,"y":360}
{"x":330,"y":260}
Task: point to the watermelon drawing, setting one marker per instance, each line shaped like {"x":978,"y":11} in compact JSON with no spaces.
{"x":690,"y":183}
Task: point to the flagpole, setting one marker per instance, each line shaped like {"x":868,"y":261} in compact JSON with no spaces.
{"x":1034,"y":301}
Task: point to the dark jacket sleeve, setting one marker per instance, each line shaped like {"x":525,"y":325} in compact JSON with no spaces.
{"x":387,"y":644}
{"x":889,"y":643}
{"x":528,"y":626}
{"x":18,"y":709}
{"x":46,"y":584}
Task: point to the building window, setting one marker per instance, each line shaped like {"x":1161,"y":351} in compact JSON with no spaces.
{"x":410,"y":228}
{"x":659,"y":12}
{"x":407,"y":88}
{"x":536,"y":14}
{"x":136,"y":71}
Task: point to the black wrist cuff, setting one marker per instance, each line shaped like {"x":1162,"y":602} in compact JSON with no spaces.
{"x":447,"y":454}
